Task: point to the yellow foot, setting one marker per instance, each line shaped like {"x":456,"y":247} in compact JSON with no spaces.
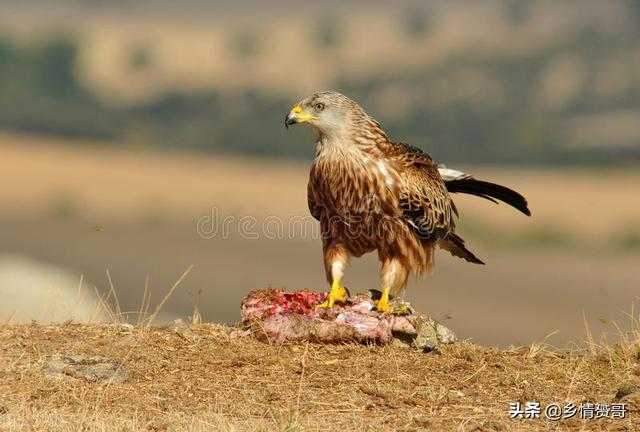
{"x":337,"y":294}
{"x":383,"y":305}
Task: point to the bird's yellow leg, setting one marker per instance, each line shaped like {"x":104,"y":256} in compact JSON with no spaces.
{"x":383,"y":305}
{"x":338,"y":293}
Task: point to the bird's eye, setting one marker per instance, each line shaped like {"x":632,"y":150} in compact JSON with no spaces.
{"x":319,"y":106}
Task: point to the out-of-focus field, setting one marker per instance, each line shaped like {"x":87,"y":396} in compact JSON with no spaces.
{"x":105,"y":184}
{"x":138,"y":214}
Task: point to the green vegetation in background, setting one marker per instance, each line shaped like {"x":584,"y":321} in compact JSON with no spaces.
{"x":39,"y":92}
{"x":628,"y":241}
{"x":243,"y":123}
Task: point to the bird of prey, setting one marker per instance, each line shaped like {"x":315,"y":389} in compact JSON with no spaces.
{"x":373,"y":194}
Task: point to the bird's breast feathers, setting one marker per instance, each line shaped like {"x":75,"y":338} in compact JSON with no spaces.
{"x":354,"y":182}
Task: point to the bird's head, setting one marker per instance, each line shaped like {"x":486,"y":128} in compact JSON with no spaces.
{"x":329,"y":113}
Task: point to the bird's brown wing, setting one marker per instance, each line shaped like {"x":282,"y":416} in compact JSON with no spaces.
{"x":314,"y":209}
{"x":424,"y":200}
{"x":426,"y":204}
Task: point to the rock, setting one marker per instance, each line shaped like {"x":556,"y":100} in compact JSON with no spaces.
{"x":181,"y":328}
{"x":428,"y":336}
{"x":624,"y":391}
{"x":276,"y":315}
{"x":237,"y":333}
{"x":85,"y":368}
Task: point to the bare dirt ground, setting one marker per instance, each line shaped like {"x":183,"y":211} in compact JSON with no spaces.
{"x":200,"y":378}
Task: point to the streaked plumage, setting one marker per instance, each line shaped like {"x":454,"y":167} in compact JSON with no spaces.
{"x":372,"y":194}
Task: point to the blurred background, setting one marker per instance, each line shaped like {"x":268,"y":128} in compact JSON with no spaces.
{"x":133,"y":132}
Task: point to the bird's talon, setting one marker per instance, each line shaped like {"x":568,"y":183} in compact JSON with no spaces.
{"x":383,"y":307}
{"x":382,"y":303}
{"x":401,"y":310}
{"x":338,"y":294}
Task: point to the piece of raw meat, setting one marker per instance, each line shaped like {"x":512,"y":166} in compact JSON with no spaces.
{"x":276,"y":315}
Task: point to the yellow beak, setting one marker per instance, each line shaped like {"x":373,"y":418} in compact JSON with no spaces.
{"x":297,"y":115}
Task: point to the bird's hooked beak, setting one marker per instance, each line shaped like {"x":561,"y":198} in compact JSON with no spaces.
{"x":298,"y":115}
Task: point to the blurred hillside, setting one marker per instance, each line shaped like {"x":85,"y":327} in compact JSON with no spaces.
{"x":485,"y":82}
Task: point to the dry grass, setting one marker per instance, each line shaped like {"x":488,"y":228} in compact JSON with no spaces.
{"x":199,"y":378}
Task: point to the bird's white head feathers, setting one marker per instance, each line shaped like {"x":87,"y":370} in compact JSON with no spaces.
{"x":331,"y":114}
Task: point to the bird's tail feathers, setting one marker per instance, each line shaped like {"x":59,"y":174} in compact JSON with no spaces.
{"x":455,"y":245}
{"x":489,"y":191}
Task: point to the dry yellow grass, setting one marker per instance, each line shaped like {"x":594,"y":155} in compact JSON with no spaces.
{"x":200,"y":378}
